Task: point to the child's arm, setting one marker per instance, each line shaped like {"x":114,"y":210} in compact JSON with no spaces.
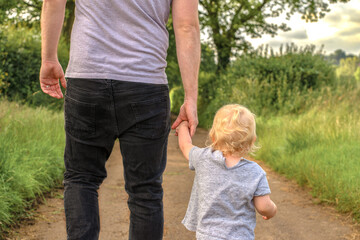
{"x":265,"y":206}
{"x":185,"y":142}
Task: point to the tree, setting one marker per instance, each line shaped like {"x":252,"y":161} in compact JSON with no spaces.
{"x":229,"y":21}
{"x":337,"y":56}
{"x":28,"y":12}
{"x":20,"y":11}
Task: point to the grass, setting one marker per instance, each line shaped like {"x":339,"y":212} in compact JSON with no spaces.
{"x":31,"y":157}
{"x":320,"y":149}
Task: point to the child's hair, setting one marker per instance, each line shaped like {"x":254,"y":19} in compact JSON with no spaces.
{"x":233,"y":131}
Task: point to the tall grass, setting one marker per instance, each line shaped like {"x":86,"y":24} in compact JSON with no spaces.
{"x":319,"y":148}
{"x":31,"y":150}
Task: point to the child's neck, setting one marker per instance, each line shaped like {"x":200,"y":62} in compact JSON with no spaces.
{"x":231,"y":160}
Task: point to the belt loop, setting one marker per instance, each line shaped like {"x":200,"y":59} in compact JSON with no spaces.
{"x":107,"y":83}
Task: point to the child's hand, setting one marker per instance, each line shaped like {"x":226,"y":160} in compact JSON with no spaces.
{"x":185,"y":142}
{"x":183,"y":124}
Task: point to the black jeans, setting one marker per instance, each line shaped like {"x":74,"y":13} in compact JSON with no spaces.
{"x":97,"y":112}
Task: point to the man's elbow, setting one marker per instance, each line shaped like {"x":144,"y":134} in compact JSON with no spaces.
{"x":53,"y":1}
{"x":188,"y":27}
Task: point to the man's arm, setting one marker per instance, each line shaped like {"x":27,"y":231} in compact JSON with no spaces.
{"x":185,"y":142}
{"x":187,"y":36}
{"x":52,"y":18}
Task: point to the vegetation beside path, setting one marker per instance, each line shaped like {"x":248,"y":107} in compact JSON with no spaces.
{"x":320,"y":149}
{"x":31,"y":163}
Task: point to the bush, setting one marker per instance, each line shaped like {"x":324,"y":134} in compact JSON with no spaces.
{"x":20,"y":61}
{"x":347,"y":72}
{"x":357,"y":74}
{"x":279,"y":83}
{"x":348,"y":67}
{"x":207,"y":77}
{"x":176,"y":99}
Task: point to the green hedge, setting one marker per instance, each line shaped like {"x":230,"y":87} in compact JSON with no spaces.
{"x":20,"y":61}
{"x":276,"y":84}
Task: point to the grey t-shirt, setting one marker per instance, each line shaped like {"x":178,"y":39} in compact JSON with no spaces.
{"x":120,"y":40}
{"x":221,"y":204}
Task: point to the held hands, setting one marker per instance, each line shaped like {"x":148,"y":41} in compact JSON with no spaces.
{"x":188,"y":112}
{"x":50,"y":73}
{"x":184,"y":138}
{"x":182,"y":125}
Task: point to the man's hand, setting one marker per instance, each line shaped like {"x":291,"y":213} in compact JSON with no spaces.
{"x":188,"y":112}
{"x":50,"y":74}
{"x":52,"y":18}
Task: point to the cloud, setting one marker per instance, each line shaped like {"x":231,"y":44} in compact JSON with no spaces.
{"x":350,"y":45}
{"x":300,"y":34}
{"x":352,"y":14}
{"x":339,"y":29}
{"x":355,"y":18}
{"x":341,"y":15}
{"x":275,"y":43}
{"x":349,"y":32}
{"x":333,"y":18}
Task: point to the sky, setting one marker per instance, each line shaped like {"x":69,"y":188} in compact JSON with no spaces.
{"x":339,"y":29}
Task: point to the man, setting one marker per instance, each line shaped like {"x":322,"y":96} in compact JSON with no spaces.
{"x":117,"y":89}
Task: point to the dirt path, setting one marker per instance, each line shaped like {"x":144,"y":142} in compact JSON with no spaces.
{"x":298,"y":217}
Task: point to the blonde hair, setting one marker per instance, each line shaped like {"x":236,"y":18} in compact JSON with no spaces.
{"x":233,"y":131}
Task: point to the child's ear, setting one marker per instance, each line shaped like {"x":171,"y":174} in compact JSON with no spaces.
{"x":254,"y":140}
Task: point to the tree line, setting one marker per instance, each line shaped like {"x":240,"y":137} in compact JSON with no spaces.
{"x":227,"y":25}
{"x":226,"y":22}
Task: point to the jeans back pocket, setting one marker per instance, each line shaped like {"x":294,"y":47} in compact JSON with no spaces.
{"x":79,"y":118}
{"x":152,"y":116}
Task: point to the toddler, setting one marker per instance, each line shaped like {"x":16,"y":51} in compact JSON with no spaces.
{"x":227,"y":187}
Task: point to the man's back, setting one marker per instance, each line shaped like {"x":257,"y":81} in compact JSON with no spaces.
{"x":120,"y":40}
